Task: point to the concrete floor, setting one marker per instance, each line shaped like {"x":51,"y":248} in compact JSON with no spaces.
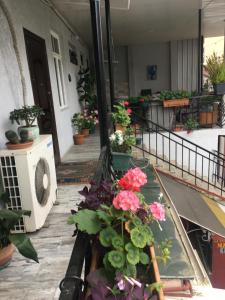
{"x":26,"y":280}
{"x":90,"y":150}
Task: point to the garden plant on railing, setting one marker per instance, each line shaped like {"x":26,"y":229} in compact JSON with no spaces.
{"x":118,"y":220}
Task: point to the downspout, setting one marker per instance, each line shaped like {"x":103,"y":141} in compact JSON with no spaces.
{"x":200,"y":51}
{"x":15,"y":46}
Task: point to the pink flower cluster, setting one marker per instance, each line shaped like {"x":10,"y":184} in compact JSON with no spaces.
{"x":126,"y":200}
{"x":158,"y":211}
{"x":133,"y":180}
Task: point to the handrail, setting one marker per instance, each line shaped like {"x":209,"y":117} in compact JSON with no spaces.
{"x":178,"y":136}
{"x":72,"y":284}
{"x":186,"y":156}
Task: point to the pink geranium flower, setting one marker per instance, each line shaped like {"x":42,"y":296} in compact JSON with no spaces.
{"x":133,"y":180}
{"x":129,"y":111}
{"x":126,"y":200}
{"x":126,"y":103}
{"x":158,"y":211}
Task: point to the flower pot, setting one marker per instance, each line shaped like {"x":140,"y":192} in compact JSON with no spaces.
{"x":138,"y":140}
{"x":219,"y":88}
{"x":92,"y":130}
{"x":19,"y":146}
{"x":120,"y":127}
{"x":85,"y":132}
{"x":6,"y":254}
{"x":121,"y":161}
{"x":189,"y":131}
{"x":78,"y":139}
{"x":176,"y":102}
{"x":33,"y":131}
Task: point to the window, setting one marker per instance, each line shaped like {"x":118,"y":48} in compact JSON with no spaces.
{"x":58,"y":69}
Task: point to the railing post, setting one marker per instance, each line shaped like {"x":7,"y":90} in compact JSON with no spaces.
{"x":99,"y":70}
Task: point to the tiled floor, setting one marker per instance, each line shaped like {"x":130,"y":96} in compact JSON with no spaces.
{"x":90,"y":150}
{"x":27,"y":280}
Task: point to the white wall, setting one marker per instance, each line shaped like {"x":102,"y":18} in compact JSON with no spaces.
{"x":39,"y":19}
{"x":139,"y":57}
{"x":205,"y":138}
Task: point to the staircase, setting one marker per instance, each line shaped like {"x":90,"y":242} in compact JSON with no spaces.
{"x":185,"y":161}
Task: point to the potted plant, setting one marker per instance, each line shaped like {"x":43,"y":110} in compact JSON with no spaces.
{"x":121,"y":143}
{"x":14,"y":142}
{"x":174,"y":98}
{"x":77,"y":123}
{"x":8,"y":219}
{"x":93,"y":121}
{"x":118,"y":220}
{"x":191,"y":124}
{"x":28,"y":115}
{"x":121,"y":116}
{"x":85,"y":88}
{"x":215,"y":67}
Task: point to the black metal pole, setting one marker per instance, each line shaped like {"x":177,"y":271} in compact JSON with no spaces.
{"x":109,"y":50}
{"x":99,"y":69}
{"x":200,"y":51}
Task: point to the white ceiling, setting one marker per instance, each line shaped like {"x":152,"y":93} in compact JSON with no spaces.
{"x":136,"y":22}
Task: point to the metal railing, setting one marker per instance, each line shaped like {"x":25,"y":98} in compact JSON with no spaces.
{"x":181,"y":154}
{"x":208,"y":111}
{"x":73,"y":285}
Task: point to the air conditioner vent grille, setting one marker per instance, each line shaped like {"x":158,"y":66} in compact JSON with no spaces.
{"x":11,"y":187}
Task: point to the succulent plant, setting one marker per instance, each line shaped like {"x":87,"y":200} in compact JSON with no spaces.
{"x":24,"y":136}
{"x":12,"y":137}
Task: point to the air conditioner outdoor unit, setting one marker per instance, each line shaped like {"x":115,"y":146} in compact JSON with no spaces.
{"x":29,"y":178}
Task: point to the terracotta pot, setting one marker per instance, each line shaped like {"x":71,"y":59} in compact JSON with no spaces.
{"x":6,"y":254}
{"x":78,"y":139}
{"x":120,"y":127}
{"x":85,"y":132}
{"x":19,"y":146}
{"x":176,"y":102}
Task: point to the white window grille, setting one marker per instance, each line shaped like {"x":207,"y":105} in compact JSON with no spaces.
{"x":57,"y":57}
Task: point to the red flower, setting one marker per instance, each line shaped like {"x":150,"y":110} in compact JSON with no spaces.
{"x":141,"y":100}
{"x":126,"y":200}
{"x":129,"y":111}
{"x":133,"y":180}
{"x":126,"y":103}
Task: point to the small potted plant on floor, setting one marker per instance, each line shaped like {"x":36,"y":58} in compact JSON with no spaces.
{"x":77,"y":123}
{"x":191,"y":124}
{"x":121,"y":116}
{"x":121,"y":143}
{"x":8,"y":219}
{"x":28,"y":115}
{"x":215,"y":66}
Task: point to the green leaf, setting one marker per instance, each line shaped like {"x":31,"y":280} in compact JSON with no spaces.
{"x":138,"y":238}
{"x":144,"y":258}
{"x":117,"y":242}
{"x":133,"y":254}
{"x":106,"y":236}
{"x":146,"y":230}
{"x":116,"y":258}
{"x":130,"y":271}
{"x":13,"y":215}
{"x":24,"y":245}
{"x":86,"y":220}
{"x":104,"y":216}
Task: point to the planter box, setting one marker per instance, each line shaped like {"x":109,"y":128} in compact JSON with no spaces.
{"x":219,"y":88}
{"x":208,"y":118}
{"x":176,"y":102}
{"x":121,"y":161}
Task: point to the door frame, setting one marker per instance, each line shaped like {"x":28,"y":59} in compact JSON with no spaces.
{"x":30,"y":35}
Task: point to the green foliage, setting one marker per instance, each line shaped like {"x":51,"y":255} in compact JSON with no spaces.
{"x":117,"y":242}
{"x":169,"y":95}
{"x":132,"y":254}
{"x":85,"y":88}
{"x":215,"y":66}
{"x":122,"y":142}
{"x":144,"y":258}
{"x":106,"y":236}
{"x":138,"y":238}
{"x":8,"y":219}
{"x":120,"y":115}
{"x":86,"y":220}
{"x":77,"y":122}
{"x":191,"y":123}
{"x":27,"y":113}
{"x":116,"y":258}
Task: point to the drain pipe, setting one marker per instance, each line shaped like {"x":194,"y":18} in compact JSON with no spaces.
{"x":15,"y":46}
